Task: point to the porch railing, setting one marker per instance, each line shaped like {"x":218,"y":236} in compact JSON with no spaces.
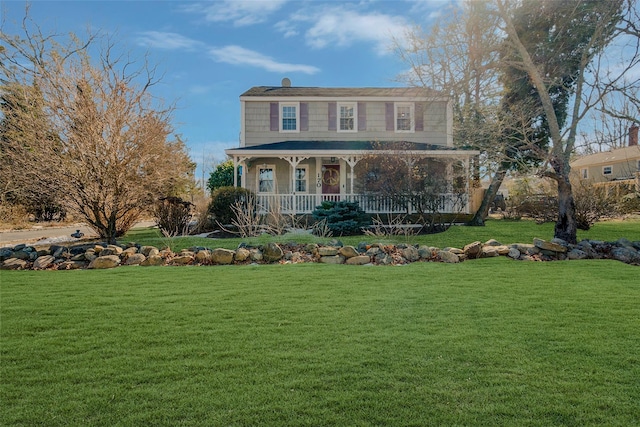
{"x":306,"y":203}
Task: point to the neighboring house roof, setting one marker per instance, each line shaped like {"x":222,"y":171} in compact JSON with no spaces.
{"x":608,"y":157}
{"x":390,"y":92}
{"x":328,"y":147}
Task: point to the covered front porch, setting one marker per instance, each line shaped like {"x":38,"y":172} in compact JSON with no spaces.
{"x":294,"y":178}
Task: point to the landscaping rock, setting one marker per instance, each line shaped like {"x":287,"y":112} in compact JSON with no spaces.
{"x":149,"y":250}
{"x":492,"y":242}
{"x":14,"y":264}
{"x":271,"y":252}
{"x":203,"y":256}
{"x":473,"y":250}
{"x":626,"y":255}
{"x":335,"y":259}
{"x":135,"y":259}
{"x":514,"y":253}
{"x":358,"y":260}
{"x":448,"y":257}
{"x":576,"y":253}
{"x":348,"y":252}
{"x":71,"y":265}
{"x":152,"y":260}
{"x":182,"y":260}
{"x":410,"y":253}
{"x":106,"y":261}
{"x":242,"y":254}
{"x":256,"y":255}
{"x":327,"y":251}
{"x":222,"y":256}
{"x":556,"y":246}
{"x":489,"y":251}
{"x":43,"y":262}
{"x":6,"y":253}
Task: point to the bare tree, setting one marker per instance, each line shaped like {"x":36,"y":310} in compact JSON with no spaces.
{"x":104,"y":142}
{"x":579,"y":31}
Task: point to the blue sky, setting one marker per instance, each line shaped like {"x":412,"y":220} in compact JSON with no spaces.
{"x":211,"y":52}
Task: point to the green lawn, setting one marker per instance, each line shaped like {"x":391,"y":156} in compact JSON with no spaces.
{"x":485,"y":342}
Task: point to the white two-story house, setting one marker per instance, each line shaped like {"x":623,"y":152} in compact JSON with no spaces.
{"x":300,"y":146}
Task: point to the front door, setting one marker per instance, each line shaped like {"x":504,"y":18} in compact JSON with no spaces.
{"x":331,"y":179}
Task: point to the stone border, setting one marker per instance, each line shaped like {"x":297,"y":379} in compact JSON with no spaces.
{"x":101,"y":256}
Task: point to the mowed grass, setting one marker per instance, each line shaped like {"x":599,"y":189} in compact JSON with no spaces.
{"x":486,"y":342}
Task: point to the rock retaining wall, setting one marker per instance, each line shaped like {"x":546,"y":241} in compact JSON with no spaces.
{"x":100,"y":256}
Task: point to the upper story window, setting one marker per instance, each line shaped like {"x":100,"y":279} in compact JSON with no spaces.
{"x":404,"y":117}
{"x":347,"y":117}
{"x":607,"y":170}
{"x":585,"y":173}
{"x":289,"y":117}
{"x":638,"y":166}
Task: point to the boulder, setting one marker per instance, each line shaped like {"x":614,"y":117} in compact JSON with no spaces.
{"x":348,"y":252}
{"x":473,"y":250}
{"x":21,"y":254}
{"x":271,"y":252}
{"x":358,"y":260}
{"x":6,"y":253}
{"x":489,"y":251}
{"x":242,"y":254}
{"x":43,"y":262}
{"x":203,"y":256}
{"x":135,"y":259}
{"x":335,"y":259}
{"x":410,"y":253}
{"x":149,"y":250}
{"x":256,"y":254}
{"x":14,"y":264}
{"x":182,"y":260}
{"x":626,"y":255}
{"x":447,"y":256}
{"x":129,"y":251}
{"x":576,"y":253}
{"x":152,"y":260}
{"x":106,"y":261}
{"x":383,"y":258}
{"x":514,"y":253}
{"x":553,"y":246}
{"x":222,"y":256}
{"x":502,"y":249}
{"x":327,"y":251}
{"x":492,"y":242}
{"x":70,"y":265}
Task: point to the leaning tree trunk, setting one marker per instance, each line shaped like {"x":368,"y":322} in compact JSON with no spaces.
{"x":483,"y":211}
{"x":566,"y":226}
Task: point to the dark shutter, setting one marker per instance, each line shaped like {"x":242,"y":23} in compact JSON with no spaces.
{"x":388,"y":115}
{"x":419,"y":112}
{"x":274,"y":114}
{"x":362,"y":116}
{"x":333,"y":108}
{"x":304,"y":116}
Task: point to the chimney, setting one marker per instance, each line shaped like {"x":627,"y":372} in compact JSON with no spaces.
{"x":287,"y":83}
{"x":633,"y":135}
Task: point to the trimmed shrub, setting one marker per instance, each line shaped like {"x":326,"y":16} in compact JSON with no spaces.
{"x":343,"y":218}
{"x":173,"y":216}
{"x":221,"y":201}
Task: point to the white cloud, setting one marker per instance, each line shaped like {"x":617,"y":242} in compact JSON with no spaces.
{"x":343,"y":27}
{"x":168,"y":41}
{"x":240,"y":12}
{"x":238,"y":55}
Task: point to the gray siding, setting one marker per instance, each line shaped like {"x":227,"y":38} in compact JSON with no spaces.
{"x":257,"y":125}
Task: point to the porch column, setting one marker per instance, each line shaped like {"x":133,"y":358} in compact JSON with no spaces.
{"x":235,"y":171}
{"x":352,"y":161}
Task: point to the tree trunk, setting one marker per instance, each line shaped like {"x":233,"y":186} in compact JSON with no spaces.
{"x":566,"y":228}
{"x":483,"y":211}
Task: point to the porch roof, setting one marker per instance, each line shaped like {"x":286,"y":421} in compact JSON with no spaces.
{"x":320,"y":148}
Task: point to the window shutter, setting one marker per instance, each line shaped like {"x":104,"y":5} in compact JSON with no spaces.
{"x":274,"y":114}
{"x":333,"y":113}
{"x":304,"y":116}
{"x":419,"y":112}
{"x":389,"y":115}
{"x":362,"y":116}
